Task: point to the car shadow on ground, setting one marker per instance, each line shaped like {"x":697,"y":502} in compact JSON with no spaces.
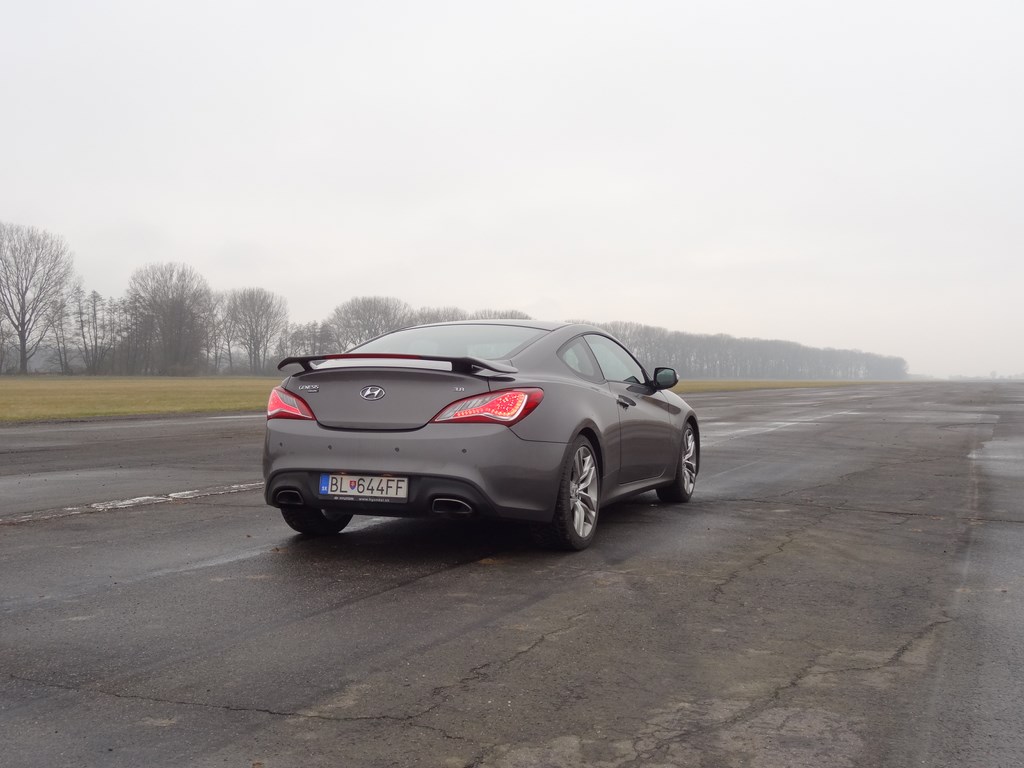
{"x":391,"y":541}
{"x":407,"y":541}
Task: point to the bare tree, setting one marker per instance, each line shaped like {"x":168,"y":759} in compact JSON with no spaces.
{"x":35,"y":267}
{"x":309,"y":339}
{"x":134,"y":333}
{"x":260,"y":317}
{"x":7,"y":348}
{"x":221,"y":332}
{"x":178,"y":304}
{"x":61,"y":324}
{"x":365,"y":317}
{"x":93,"y":329}
{"x":425,"y":315}
{"x":499,"y":314}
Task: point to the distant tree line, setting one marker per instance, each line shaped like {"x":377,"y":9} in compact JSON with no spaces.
{"x":171,"y":323}
{"x":703,"y":356}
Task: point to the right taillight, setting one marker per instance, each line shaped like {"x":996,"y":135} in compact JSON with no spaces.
{"x":508,"y":407}
{"x":284,"y":405}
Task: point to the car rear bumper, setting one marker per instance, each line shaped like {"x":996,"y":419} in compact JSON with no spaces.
{"x":486,"y":467}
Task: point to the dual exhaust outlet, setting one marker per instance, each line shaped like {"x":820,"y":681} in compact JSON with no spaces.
{"x":289,"y":497}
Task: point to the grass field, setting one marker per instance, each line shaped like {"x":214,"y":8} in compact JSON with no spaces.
{"x":60,"y":398}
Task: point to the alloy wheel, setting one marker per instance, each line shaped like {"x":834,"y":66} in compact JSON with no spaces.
{"x":583,"y":491}
{"x":689,"y":468}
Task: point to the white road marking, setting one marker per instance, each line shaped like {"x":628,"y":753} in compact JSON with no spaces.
{"x":139,"y":501}
{"x":119,"y":504}
{"x":717,"y":435}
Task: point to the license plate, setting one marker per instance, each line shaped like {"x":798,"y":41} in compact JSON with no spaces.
{"x":364,"y":486}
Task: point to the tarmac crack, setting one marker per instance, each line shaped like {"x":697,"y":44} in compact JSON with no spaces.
{"x":992,"y":520}
{"x":897,"y":655}
{"x":845,"y":508}
{"x":485,"y":671}
{"x":929,"y":515}
{"x":645,"y":755}
{"x":844,"y":479}
{"x":481,"y":673}
{"x":718,"y":591}
{"x":406,"y":719}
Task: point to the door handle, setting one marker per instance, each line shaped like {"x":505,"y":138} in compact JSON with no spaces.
{"x":625,"y":402}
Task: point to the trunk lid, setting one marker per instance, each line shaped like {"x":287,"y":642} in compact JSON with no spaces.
{"x":372,"y":398}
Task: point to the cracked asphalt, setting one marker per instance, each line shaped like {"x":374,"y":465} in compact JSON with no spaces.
{"x":844,"y":590}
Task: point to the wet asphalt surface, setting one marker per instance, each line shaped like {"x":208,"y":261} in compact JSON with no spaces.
{"x":844,"y":590}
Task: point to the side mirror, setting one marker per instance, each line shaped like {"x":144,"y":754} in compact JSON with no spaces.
{"x":665,"y":378}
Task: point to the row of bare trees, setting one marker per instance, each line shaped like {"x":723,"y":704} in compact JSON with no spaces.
{"x":701,"y":356}
{"x":170,"y":322}
{"x":365,"y":317}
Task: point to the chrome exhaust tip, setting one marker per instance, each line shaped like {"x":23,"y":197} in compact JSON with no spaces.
{"x":451,"y":507}
{"x":288,"y":498}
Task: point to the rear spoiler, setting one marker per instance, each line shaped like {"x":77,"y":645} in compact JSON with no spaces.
{"x":472,"y":365}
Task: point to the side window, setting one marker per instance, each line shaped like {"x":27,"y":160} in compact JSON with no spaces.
{"x":616,"y":363}
{"x":576,"y":354}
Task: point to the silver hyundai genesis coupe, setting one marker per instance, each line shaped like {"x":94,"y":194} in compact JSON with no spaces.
{"x":542,"y":423}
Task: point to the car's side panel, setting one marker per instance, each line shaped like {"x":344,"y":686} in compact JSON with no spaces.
{"x":649,"y":437}
{"x":570,"y":407}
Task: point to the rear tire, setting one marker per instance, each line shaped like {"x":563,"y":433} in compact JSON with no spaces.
{"x":682,"y":487}
{"x":312,"y":522}
{"x":579,"y":498}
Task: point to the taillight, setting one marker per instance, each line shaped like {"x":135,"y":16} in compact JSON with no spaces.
{"x":507,"y":407}
{"x":284,"y":405}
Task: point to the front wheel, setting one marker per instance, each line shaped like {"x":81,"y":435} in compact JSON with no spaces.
{"x":682,"y":487}
{"x":312,"y":521}
{"x":575,"y":521}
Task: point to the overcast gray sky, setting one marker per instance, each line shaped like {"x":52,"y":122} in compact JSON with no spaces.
{"x":836,"y":174}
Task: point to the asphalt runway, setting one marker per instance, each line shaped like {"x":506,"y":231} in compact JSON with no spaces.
{"x":844,"y":590}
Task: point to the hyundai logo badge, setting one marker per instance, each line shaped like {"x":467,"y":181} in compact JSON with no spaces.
{"x":372,"y":393}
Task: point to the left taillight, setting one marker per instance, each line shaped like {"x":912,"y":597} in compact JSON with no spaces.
{"x":284,"y":405}
{"x":507,"y":406}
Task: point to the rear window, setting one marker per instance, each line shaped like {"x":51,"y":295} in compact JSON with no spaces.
{"x":490,"y":342}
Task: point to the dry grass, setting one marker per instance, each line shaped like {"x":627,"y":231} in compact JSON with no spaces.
{"x":60,"y":398}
